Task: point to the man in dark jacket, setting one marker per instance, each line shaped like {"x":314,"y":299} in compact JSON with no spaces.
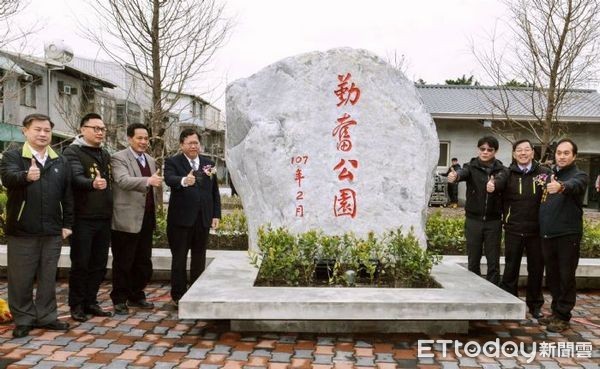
{"x":561,"y":228}
{"x":521,"y":195}
{"x":39,"y":215}
{"x":483,"y":208}
{"x":92,"y":189}
{"x":453,"y":187}
{"x":194,"y":207}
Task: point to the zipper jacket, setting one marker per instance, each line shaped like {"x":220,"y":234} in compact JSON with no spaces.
{"x":480,"y":204}
{"x":39,"y":208}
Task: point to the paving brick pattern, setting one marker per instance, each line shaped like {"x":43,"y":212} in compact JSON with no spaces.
{"x":158,"y":339}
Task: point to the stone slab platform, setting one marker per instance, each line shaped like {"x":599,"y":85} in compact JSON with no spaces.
{"x":225,"y":291}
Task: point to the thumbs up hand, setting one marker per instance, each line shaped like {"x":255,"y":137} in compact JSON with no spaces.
{"x":190,"y":179}
{"x":452,"y":176}
{"x":33,"y":173}
{"x":99,"y":183}
{"x":155,"y":180}
{"x":554,"y":186}
{"x":491,"y":185}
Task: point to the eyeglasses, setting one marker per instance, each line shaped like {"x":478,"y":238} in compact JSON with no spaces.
{"x":519,"y":151}
{"x":488,"y":149}
{"x":194,"y":143}
{"x":97,"y":129}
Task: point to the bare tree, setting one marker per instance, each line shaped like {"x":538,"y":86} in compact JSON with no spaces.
{"x":169,"y":42}
{"x":10,"y":33}
{"x":554,"y":49}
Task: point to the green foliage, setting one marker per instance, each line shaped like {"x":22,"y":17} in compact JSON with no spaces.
{"x":396,"y":260}
{"x":233,"y":223}
{"x":445,"y":235}
{"x":514,"y":83}
{"x":409,"y":263}
{"x":464,"y":81}
{"x":159,"y":238}
{"x":590,"y":241}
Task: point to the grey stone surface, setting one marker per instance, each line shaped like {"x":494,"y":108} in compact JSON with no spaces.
{"x":290,"y":109}
{"x":225,"y":291}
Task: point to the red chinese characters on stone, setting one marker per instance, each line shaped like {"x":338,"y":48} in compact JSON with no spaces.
{"x":345,"y":174}
{"x":344,"y":203}
{"x":298,"y":177}
{"x":299,"y":210}
{"x":346,"y":94}
{"x":342,"y":131}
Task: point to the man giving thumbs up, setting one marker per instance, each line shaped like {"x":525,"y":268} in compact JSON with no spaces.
{"x":39,"y":215}
{"x":91,"y":180}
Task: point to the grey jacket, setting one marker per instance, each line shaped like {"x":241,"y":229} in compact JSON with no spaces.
{"x":129,"y":191}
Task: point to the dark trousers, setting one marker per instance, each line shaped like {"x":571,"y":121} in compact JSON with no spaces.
{"x":561,"y":255}
{"x":89,"y":254}
{"x":132,"y":262}
{"x":514,"y":245}
{"x":33,"y":259}
{"x":484,"y":237}
{"x":182,"y":239}
{"x":453,"y":192}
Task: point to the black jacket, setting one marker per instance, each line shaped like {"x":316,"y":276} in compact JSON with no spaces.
{"x":481,"y":204}
{"x":187,"y":203}
{"x":84,"y":160}
{"x":561,"y":213}
{"x":40,"y":208}
{"x":521,"y":195}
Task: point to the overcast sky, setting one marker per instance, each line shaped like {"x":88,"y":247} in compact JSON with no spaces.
{"x":434,"y":35}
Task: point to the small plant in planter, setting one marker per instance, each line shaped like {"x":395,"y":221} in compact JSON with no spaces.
{"x":313,"y":258}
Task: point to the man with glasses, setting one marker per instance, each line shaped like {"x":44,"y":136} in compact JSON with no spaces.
{"x":521,"y":196}
{"x":194,"y":207}
{"x":483,"y":208}
{"x":92,"y":190}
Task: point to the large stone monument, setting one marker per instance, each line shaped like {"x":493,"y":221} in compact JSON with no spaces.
{"x":338,"y":141}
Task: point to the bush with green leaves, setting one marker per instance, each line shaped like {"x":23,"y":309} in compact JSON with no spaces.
{"x":445,"y":235}
{"x":395,"y":260}
{"x":233,"y":223}
{"x":590,"y":241}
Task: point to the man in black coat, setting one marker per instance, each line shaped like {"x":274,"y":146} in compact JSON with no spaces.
{"x":521,"y":196}
{"x":483,"y":209}
{"x":452,"y":187}
{"x":194,"y":207}
{"x":39,"y":215}
{"x":561,"y":228}
{"x":92,"y":190}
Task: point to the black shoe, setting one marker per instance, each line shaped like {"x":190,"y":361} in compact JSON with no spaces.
{"x":56,"y":325}
{"x":537,"y":313}
{"x":557,"y":326}
{"x":96,"y":310}
{"x":21,"y":331}
{"x":78,"y":314}
{"x":142,"y":304}
{"x":546,"y":320}
{"x":121,"y":309}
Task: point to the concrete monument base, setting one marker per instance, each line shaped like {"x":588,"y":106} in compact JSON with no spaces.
{"x":226,"y":291}
{"x":352,"y":326}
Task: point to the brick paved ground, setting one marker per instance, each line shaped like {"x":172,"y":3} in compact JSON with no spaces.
{"x":159,"y":339}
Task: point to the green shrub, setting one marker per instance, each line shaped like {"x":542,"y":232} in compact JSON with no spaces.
{"x":159,"y":238}
{"x":396,"y":260}
{"x":590,"y":241}
{"x":445,"y":235}
{"x":233,"y":223}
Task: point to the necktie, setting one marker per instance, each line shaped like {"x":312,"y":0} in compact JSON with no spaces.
{"x":194,"y":165}
{"x":142,"y":160}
